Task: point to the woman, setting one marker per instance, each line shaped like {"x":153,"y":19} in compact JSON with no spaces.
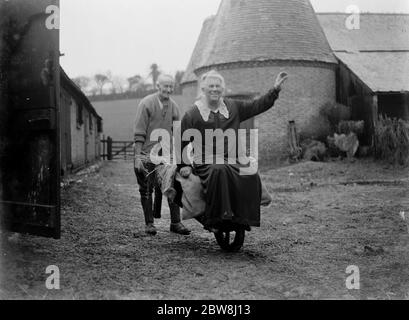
{"x":229,"y":193}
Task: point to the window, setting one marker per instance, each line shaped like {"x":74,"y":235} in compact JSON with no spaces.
{"x":80,"y":119}
{"x":91,"y":124}
{"x":99,"y":125}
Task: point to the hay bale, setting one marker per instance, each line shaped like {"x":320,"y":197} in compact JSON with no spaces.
{"x":392,"y":140}
{"x":347,"y":127}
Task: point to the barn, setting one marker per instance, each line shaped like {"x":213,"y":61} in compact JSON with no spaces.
{"x":80,"y":126}
{"x":373,"y":70}
{"x":249,"y":42}
{"x":48,"y":128}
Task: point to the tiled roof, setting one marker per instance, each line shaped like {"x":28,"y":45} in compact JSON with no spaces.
{"x":259,"y":30}
{"x":378,"y":52}
{"x":198,"y":50}
{"x":380,"y":71}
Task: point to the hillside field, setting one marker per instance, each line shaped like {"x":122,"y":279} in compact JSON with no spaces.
{"x":118,"y":117}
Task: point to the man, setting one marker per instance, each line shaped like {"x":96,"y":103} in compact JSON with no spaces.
{"x":229,"y":195}
{"x":156,"y":111}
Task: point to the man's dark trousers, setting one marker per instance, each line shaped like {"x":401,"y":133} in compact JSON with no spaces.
{"x":147,"y":185}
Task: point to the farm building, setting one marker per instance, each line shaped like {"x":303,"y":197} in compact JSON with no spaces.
{"x":47,"y":125}
{"x":250,"y":41}
{"x":373,"y":71}
{"x":81,"y":128}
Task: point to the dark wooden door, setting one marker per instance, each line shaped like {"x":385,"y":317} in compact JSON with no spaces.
{"x":30,"y":162}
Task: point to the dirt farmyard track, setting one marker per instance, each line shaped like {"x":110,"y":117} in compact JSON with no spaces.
{"x":325,"y":217}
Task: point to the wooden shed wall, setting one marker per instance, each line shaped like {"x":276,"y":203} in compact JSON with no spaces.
{"x":352,"y":92}
{"x":80,"y":137}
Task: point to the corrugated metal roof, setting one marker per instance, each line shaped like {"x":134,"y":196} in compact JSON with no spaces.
{"x":377,"y":52}
{"x":380,"y":71}
{"x":387,"y":32}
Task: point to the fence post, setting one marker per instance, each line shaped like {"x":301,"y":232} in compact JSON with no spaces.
{"x":103,"y":147}
{"x":109,"y":148}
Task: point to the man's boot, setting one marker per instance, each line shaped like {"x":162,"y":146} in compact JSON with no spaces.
{"x":176,"y":225}
{"x":157,"y":204}
{"x":150,"y":229}
{"x":148,"y":213}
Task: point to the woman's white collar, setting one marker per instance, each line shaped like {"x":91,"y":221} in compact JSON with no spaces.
{"x":205,"y":110}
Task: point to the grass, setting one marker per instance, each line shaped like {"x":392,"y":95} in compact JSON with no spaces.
{"x":119,"y":116}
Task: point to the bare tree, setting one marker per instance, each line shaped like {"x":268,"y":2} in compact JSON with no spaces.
{"x":154,"y":74}
{"x":134,"y":82}
{"x":178,"y":80}
{"x":93,"y":91}
{"x":118,"y":84}
{"x":101,"y":80}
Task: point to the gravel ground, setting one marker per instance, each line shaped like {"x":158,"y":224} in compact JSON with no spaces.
{"x":325,"y":217}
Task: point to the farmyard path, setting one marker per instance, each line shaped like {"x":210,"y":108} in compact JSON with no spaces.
{"x":315,"y":229}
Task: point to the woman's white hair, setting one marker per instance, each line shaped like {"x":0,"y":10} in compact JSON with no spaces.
{"x":212,"y":74}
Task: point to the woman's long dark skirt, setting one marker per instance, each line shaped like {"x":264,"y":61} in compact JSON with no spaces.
{"x":229,"y":195}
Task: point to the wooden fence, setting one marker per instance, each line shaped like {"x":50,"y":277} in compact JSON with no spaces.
{"x":117,"y":150}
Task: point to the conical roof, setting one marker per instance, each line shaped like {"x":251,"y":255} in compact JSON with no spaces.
{"x":260,"y":30}
{"x":199,"y":49}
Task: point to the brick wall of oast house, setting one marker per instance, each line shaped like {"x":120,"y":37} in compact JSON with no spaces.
{"x":310,"y":85}
{"x":189,"y":95}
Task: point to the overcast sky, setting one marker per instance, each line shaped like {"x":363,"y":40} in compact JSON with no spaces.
{"x":127,"y":36}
